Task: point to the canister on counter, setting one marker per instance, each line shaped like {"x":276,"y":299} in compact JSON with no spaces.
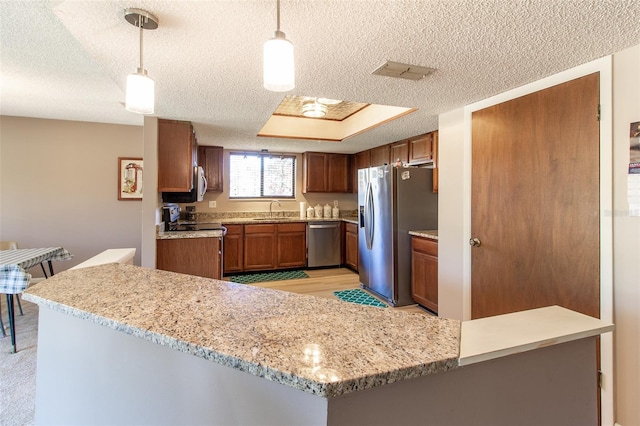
{"x":327,"y":211}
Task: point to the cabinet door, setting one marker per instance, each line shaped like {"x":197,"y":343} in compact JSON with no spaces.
{"x":292,"y":245}
{"x":380,"y":155}
{"x":424,"y":272}
{"x":176,"y":255}
{"x":314,"y":166}
{"x":420,"y":148}
{"x":338,"y":173}
{"x":233,"y":252}
{"x":400,"y":151}
{"x":175,"y":156}
{"x":259,"y":247}
{"x":351,"y":246}
{"x":211,"y":160}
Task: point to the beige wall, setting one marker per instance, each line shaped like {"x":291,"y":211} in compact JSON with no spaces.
{"x":620,"y":297}
{"x":626,"y":241}
{"x":58,"y":182}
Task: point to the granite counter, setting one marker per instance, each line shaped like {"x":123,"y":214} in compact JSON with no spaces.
{"x":321,"y":346}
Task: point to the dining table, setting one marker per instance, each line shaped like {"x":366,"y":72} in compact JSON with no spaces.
{"x":15,"y":278}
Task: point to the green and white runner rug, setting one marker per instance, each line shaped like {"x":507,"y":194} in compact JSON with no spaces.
{"x":267,"y":276}
{"x":358,"y":296}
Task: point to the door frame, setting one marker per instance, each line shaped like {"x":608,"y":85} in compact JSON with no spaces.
{"x":604,"y":67}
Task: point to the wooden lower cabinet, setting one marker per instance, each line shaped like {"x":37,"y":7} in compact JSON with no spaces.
{"x":351,"y":246}
{"x":292,"y":245}
{"x":265,"y":246}
{"x":424,"y":272}
{"x":233,"y":249}
{"x":193,"y":256}
{"x":259,"y":247}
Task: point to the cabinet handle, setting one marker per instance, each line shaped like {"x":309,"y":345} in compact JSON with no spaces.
{"x":323,"y":226}
{"x":474,"y":242}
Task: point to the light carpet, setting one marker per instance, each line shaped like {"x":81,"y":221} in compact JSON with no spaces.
{"x":18,"y":371}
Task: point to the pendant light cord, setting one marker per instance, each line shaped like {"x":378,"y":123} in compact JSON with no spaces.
{"x":278,"y":16}
{"x":141,"y":32}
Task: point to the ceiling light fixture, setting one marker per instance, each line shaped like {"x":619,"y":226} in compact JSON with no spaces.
{"x":326,"y":101}
{"x":313,"y":109}
{"x":140,"y":88}
{"x":278,"y":67}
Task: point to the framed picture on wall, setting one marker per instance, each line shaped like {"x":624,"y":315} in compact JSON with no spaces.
{"x":129,"y":178}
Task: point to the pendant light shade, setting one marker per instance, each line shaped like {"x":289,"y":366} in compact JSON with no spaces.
{"x":140,"y":94}
{"x":140,"y":88}
{"x":278,"y":66}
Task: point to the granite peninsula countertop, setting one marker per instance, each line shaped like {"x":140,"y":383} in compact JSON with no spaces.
{"x":321,"y":346}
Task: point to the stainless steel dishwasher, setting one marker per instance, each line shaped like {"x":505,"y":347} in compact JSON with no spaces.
{"x":323,"y":244}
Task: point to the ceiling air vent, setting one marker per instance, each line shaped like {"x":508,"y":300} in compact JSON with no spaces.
{"x":406,"y":71}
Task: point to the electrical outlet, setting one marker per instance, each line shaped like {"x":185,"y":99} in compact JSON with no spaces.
{"x":212,"y":204}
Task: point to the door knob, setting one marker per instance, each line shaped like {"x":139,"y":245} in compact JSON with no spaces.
{"x":474,"y":242}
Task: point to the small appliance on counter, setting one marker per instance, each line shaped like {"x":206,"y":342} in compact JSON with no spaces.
{"x":171,"y":216}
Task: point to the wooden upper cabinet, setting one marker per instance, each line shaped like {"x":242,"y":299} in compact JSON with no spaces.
{"x":362,"y":160}
{"x":211,"y":160}
{"x":400,"y":151}
{"x":175,"y":156}
{"x":338,"y":173}
{"x":323,"y":172}
{"x":380,"y":155}
{"x":420,"y":148}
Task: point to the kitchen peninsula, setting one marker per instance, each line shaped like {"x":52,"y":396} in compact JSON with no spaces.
{"x":121,"y":344}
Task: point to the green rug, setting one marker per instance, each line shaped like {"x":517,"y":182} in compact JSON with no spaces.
{"x":267,"y":276}
{"x":358,"y":296}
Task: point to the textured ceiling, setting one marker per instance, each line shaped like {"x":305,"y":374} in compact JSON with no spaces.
{"x":69,"y":59}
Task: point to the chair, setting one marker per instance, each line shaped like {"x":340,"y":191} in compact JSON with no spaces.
{"x":10,"y":245}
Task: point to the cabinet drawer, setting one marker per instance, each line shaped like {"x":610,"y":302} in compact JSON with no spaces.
{"x":263,"y":228}
{"x":292,"y":227}
{"x":234,"y":229}
{"x":425,"y":245}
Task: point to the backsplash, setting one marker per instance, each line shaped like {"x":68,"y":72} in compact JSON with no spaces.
{"x":219,"y":216}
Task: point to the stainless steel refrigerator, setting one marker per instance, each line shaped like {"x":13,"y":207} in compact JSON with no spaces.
{"x":392,"y":201}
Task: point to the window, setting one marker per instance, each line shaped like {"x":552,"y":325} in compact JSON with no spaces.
{"x":262,"y":176}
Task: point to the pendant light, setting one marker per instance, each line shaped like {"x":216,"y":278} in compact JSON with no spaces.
{"x":140,"y":88}
{"x":278,"y":68}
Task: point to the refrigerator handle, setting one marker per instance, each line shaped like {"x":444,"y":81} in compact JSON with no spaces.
{"x":368,"y":217}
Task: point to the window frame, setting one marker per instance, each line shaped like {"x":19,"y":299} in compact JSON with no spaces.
{"x":262,"y":156}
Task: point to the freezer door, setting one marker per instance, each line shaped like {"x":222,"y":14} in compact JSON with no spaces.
{"x":378,"y":232}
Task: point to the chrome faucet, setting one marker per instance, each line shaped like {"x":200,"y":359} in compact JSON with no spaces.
{"x":271,"y":205}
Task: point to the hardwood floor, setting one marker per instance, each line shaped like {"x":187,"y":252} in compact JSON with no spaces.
{"x":323,"y":282}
